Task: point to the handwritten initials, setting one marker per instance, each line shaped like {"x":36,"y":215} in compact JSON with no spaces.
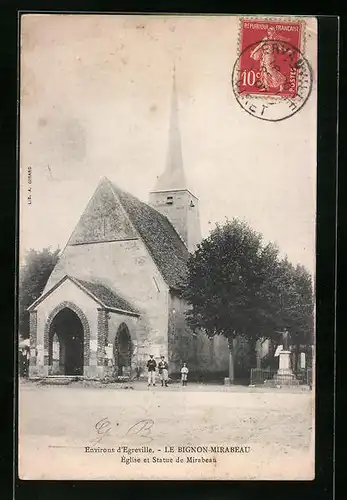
{"x":142,"y":428}
{"x":103,"y":428}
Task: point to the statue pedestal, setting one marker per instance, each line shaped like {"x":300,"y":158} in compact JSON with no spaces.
{"x":285,"y":375}
{"x":284,"y":363}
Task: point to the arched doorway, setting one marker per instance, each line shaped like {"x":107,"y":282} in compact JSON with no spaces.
{"x":123,"y":351}
{"x":66,"y":344}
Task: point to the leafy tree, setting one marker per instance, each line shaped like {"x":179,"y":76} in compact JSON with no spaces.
{"x":33,"y":276}
{"x":230,"y":286}
{"x":303,"y":316}
{"x":295,"y":304}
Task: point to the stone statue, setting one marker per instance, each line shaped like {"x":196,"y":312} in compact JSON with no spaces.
{"x":285,"y":340}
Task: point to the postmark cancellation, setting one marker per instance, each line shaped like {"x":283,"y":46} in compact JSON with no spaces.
{"x":271,"y":77}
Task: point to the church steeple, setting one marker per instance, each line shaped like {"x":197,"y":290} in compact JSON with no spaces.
{"x":173,"y":176}
{"x":171,"y":197}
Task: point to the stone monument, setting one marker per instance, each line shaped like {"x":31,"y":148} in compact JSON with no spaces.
{"x":285,"y":375}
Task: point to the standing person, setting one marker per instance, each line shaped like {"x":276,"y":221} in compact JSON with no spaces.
{"x":23,"y":359}
{"x":184,"y":374}
{"x":163,"y":368}
{"x":151,"y":366}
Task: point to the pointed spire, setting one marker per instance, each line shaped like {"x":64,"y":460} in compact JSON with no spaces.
{"x":173,"y":177}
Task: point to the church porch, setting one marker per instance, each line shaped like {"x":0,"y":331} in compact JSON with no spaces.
{"x":70,"y":330}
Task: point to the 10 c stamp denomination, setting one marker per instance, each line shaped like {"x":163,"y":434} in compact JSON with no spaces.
{"x":271,"y":78}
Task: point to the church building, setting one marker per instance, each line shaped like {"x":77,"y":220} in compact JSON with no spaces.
{"x":114,"y":296}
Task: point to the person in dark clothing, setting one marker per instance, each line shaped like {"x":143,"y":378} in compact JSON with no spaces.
{"x":163,"y":368}
{"x":151,"y":367}
{"x":24,"y":362}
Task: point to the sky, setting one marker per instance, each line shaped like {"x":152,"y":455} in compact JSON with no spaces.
{"x":95,"y":101}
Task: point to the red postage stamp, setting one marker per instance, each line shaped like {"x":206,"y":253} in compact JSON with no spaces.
{"x":269,"y":55}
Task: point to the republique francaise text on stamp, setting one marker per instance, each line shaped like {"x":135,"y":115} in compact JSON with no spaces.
{"x":271,"y":77}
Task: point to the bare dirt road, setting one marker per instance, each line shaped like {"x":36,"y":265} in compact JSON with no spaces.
{"x":198,"y":432}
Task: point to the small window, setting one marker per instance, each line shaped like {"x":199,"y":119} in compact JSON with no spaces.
{"x":169,"y":200}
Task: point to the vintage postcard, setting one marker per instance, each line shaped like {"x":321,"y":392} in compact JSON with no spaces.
{"x":167,"y":247}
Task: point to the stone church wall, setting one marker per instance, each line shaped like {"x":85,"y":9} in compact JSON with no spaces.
{"x":181,"y":339}
{"x":141,"y":348}
{"x":181,"y":207}
{"x":202,"y":355}
{"x":128,"y":269}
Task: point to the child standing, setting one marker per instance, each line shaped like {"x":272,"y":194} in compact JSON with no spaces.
{"x":184,"y":374}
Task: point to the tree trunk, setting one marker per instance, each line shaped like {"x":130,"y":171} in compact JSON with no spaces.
{"x":252,"y":352}
{"x":296,"y":357}
{"x":231,"y":360}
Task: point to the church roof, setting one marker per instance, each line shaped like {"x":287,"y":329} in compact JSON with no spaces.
{"x":106,"y":296}
{"x":161,"y":239}
{"x":101,"y":293}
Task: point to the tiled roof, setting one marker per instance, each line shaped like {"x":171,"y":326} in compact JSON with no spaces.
{"x":100,"y":292}
{"x":165,"y":246}
{"x":107,"y":296}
